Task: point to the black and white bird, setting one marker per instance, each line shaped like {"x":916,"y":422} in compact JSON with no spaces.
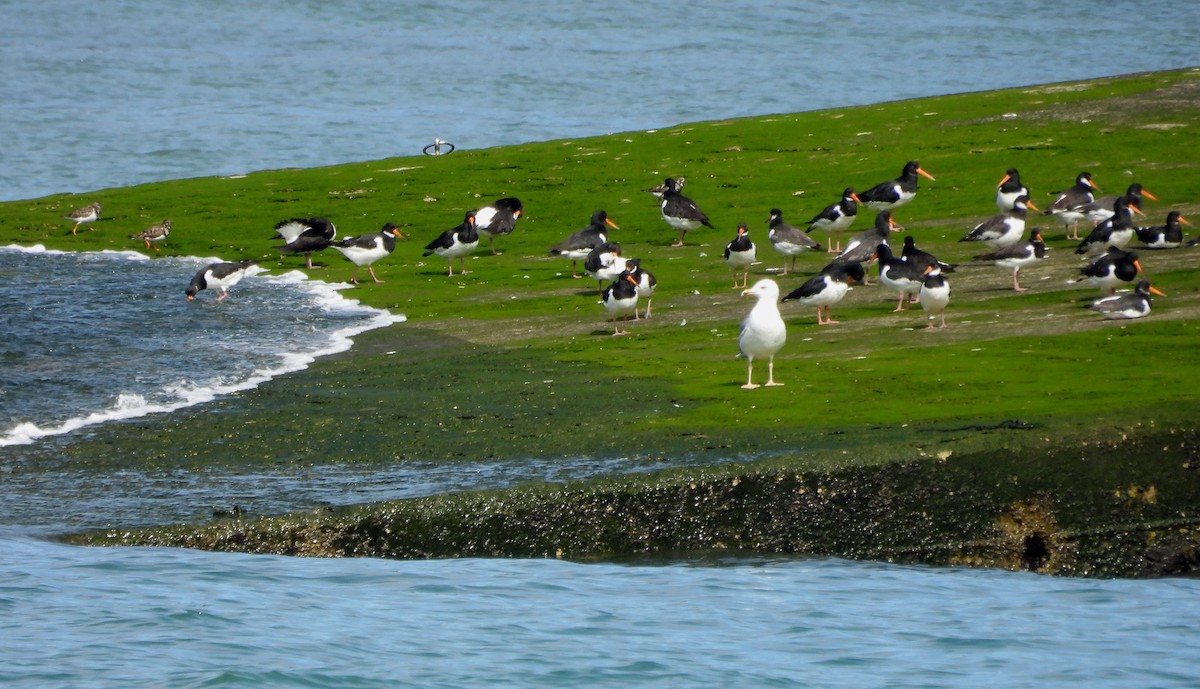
{"x":679,"y":211}
{"x":154,"y":235}
{"x":899,"y":275}
{"x":1116,"y":231}
{"x":456,"y":242}
{"x":763,"y":331}
{"x":620,"y":300}
{"x":835,"y":218}
{"x":787,"y":240}
{"x":366,"y":249}
{"x":1016,"y":256}
{"x":1002,"y":229}
{"x":645,"y":283}
{"x":1133,"y":305}
{"x":497,"y":219}
{"x":923,"y":259}
{"x":580,"y":243}
{"x":1065,"y":206}
{"x":604,"y":263}
{"x":304,"y":236}
{"x":861,"y":249}
{"x":1010,"y":189}
{"x":894,"y":193}
{"x":827,"y":288}
{"x":220,"y":277}
{"x":740,"y":255}
{"x":1111,"y":270}
{"x":1166,"y":236}
{"x":658,"y":190}
{"x":84,"y":216}
{"x":1101,"y":209}
{"x":934,"y":297}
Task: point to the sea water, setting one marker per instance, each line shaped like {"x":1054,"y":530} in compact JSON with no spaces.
{"x":113,"y":92}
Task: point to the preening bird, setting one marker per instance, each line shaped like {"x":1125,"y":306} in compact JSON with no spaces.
{"x":604,"y":263}
{"x":923,"y":260}
{"x":498,"y":219}
{"x":581,"y":242}
{"x":740,"y":255}
{"x":305,"y":236}
{"x":620,"y":300}
{"x":787,"y":240}
{"x":934,"y":296}
{"x":456,"y":242}
{"x":1116,"y":231}
{"x":861,"y":249}
{"x":1112,"y":269}
{"x":645,"y":283}
{"x":1015,"y":256}
{"x":763,"y":331}
{"x":658,"y":190}
{"x":827,"y":288}
{"x":894,"y":193}
{"x":679,"y":211}
{"x":900,"y":275}
{"x":219,"y":276}
{"x":1065,"y":206}
{"x":365,"y":249}
{"x":155,"y":234}
{"x":1002,"y":229}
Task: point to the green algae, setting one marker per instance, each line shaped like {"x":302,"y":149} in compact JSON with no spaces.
{"x":515,"y":360}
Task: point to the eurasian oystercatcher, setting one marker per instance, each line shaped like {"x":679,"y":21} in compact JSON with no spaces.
{"x":787,"y":240}
{"x":1166,"y":236}
{"x":620,"y":300}
{"x":934,"y":296}
{"x":1002,"y":229}
{"x":836,"y":217}
{"x":1014,"y":256}
{"x":498,"y":218}
{"x":456,"y":242}
{"x":1116,"y":231}
{"x":680,"y":212}
{"x":894,"y":193}
{"x":218,"y":276}
{"x":1112,"y":269}
{"x":577,"y":246}
{"x":827,"y":288}
{"x":1134,"y":305}
{"x":740,"y":255}
{"x":365,"y":249}
{"x":1010,"y":189}
{"x":1101,"y":209}
{"x":1068,"y":200}
{"x":305,"y":235}
{"x":900,"y":275}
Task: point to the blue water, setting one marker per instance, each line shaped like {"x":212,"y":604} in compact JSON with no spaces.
{"x":115,"y":92}
{"x":159,"y":618}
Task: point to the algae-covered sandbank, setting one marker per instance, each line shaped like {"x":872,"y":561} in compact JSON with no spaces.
{"x":1028,"y":433}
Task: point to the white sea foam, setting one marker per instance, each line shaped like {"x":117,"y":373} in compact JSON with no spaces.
{"x":285,"y":356}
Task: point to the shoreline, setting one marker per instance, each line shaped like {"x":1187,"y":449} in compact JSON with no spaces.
{"x":515,"y":358}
